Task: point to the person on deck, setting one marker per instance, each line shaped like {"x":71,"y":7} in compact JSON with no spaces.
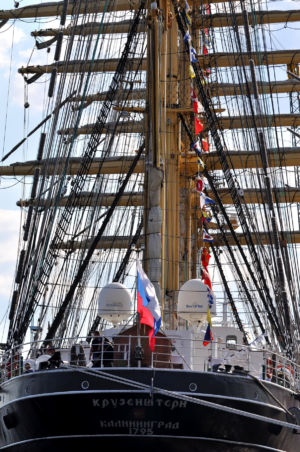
{"x":27,"y":368}
{"x":97,"y":348}
{"x":95,"y":352}
{"x":55,"y":358}
{"x":77,"y":355}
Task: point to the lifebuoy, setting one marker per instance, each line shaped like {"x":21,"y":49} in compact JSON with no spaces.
{"x":285,"y":366}
{"x":10,"y":368}
{"x":269,"y":368}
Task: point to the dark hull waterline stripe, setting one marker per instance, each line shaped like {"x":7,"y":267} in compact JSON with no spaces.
{"x":140,"y":391}
{"x":147,"y":437}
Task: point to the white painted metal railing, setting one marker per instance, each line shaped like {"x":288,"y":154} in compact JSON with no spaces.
{"x":122,"y":351}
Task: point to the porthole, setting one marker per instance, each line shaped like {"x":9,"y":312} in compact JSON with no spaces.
{"x":192,"y":387}
{"x":85,"y":384}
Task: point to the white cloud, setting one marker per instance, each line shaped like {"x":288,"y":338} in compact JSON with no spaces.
{"x":12,"y":35}
{"x":5,"y":284}
{"x":9,"y":233}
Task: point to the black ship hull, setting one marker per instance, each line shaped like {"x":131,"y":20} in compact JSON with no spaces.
{"x":137,"y":443}
{"x":75,"y":409}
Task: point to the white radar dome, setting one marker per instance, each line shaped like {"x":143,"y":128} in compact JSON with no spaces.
{"x":115,"y":303}
{"x":193,"y":300}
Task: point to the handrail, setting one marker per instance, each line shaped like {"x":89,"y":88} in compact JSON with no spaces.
{"x":189,"y":354}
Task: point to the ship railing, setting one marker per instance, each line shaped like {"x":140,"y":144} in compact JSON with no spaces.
{"x":228,"y":359}
{"x":255,"y":361}
{"x":119,"y":351}
{"x":169,"y":352}
{"x":281,"y":370}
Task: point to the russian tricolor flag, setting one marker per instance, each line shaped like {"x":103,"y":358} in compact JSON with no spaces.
{"x":147,"y":304}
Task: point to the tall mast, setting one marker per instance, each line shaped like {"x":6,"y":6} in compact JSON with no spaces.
{"x":162,"y":161}
{"x":153,"y":170}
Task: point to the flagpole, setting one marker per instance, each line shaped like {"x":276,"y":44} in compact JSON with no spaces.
{"x":138,"y":320}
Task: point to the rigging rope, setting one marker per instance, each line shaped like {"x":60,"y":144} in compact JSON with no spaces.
{"x":77,"y":279}
{"x":212,"y":121}
{"x":64,"y":222}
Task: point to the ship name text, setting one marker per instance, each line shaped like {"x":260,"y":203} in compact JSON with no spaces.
{"x":116,"y":403}
{"x":137,"y":427}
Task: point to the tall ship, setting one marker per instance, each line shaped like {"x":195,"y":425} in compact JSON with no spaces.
{"x":155,"y":301}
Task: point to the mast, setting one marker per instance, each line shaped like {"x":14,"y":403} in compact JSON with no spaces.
{"x":162,"y":174}
{"x":171,"y":160}
{"x":153,"y":170}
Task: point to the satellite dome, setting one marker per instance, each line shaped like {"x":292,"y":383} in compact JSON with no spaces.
{"x":193,"y":300}
{"x":114,"y":303}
